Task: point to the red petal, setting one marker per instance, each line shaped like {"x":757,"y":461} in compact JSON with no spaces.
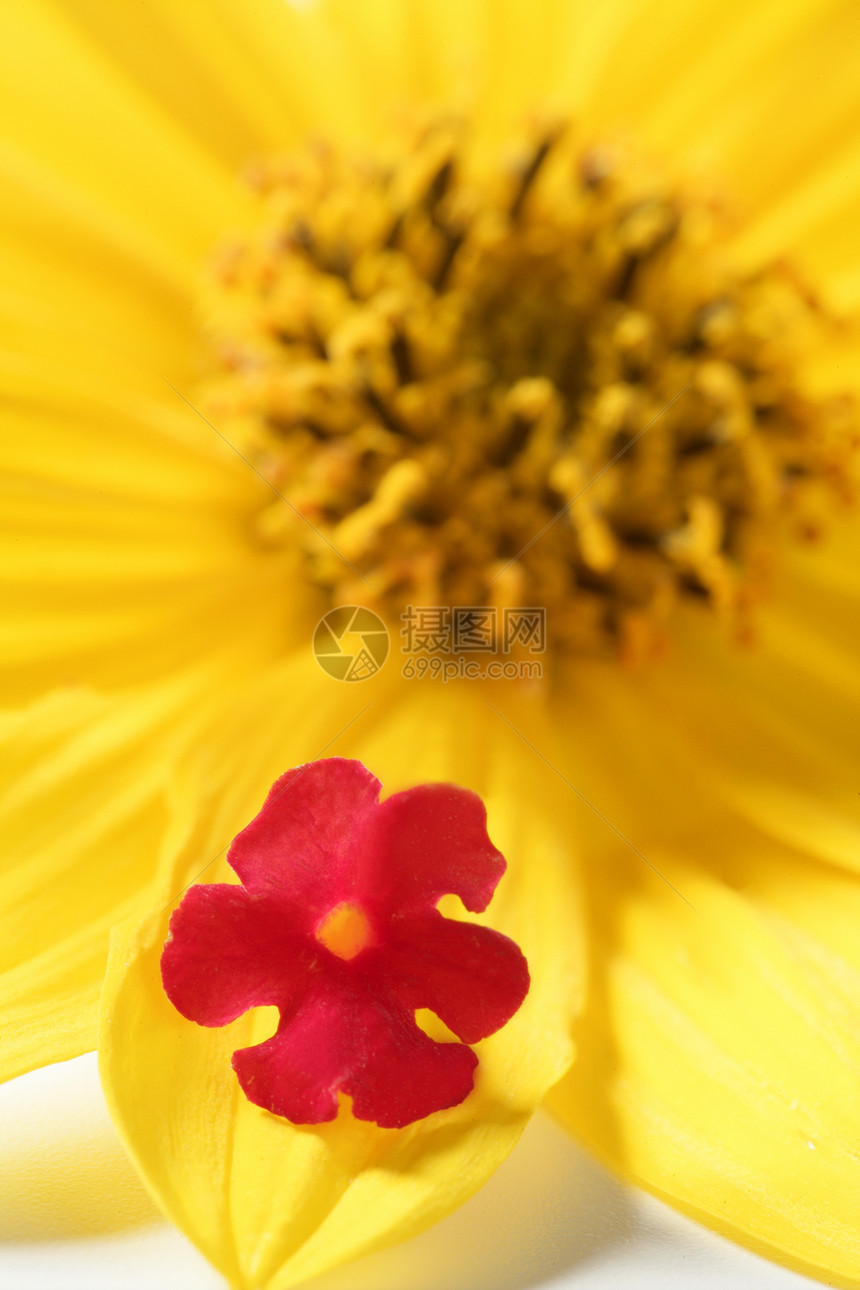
{"x":472,"y":977}
{"x":408,"y":1075}
{"x":429,"y":841}
{"x":300,"y":847}
{"x":351,"y":1042}
{"x":228,"y":952}
{"x":322,"y":842}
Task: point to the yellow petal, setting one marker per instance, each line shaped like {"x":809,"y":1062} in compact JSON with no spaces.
{"x":814,"y":218}
{"x":82,"y":819}
{"x":50,"y":1001}
{"x":768,"y":730}
{"x":86,"y":129}
{"x":776,"y":735}
{"x":831,"y":568}
{"x":719,"y":1052}
{"x":108,"y":210}
{"x":271,"y":1204}
{"x":219,"y":69}
{"x":494,"y":62}
{"x":127,"y":538}
{"x":75,"y":298}
{"x":739,"y":86}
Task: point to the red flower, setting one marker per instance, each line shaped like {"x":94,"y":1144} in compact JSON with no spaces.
{"x":336,"y":924}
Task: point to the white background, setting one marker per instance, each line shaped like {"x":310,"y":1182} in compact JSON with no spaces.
{"x":73,"y":1216}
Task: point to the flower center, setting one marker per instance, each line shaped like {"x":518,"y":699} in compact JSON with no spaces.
{"x":533,"y":384}
{"x":345,"y":930}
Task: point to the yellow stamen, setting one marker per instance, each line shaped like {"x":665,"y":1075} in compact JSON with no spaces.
{"x":436,"y":363}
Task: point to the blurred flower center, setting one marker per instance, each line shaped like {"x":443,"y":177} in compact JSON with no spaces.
{"x":537,"y":382}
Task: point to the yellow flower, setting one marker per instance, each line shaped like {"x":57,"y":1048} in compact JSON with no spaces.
{"x":683,"y":834}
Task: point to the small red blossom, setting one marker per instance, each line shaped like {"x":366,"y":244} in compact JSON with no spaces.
{"x":335,"y":923}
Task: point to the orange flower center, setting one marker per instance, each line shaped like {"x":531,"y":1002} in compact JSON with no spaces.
{"x":345,"y":931}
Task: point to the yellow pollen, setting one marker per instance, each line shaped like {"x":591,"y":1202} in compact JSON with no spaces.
{"x":345,"y":931}
{"x":536,"y":383}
